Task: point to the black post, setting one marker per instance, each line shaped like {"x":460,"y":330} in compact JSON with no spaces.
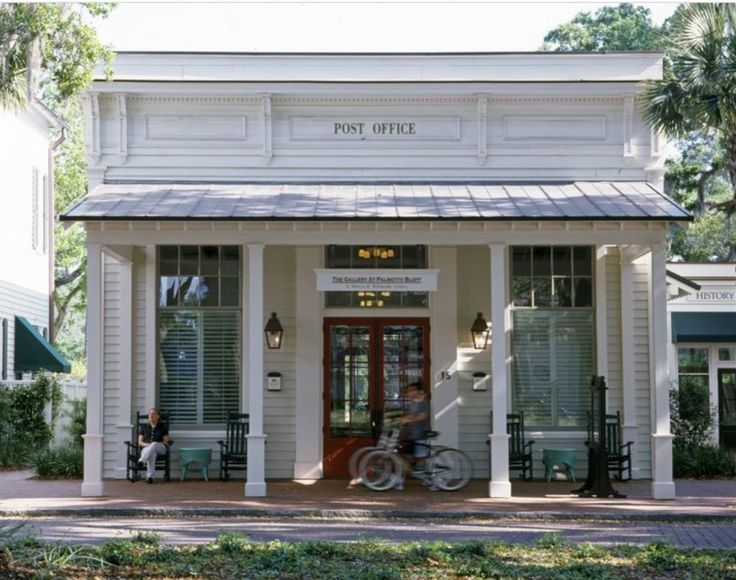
{"x":598,"y":483}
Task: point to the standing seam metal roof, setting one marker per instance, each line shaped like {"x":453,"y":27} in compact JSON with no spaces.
{"x":378,"y":201}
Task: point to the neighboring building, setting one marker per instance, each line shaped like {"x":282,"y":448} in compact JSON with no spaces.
{"x":27,"y":241}
{"x":376,"y":204}
{"x":702,"y":306}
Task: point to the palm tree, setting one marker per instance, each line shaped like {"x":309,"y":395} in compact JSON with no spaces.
{"x":699,"y":88}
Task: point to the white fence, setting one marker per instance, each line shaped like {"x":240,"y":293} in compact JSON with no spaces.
{"x":72,"y":392}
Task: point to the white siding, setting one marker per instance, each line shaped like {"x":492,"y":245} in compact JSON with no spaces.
{"x":111,"y":362}
{"x":642,"y":449}
{"x":473,"y":282}
{"x":279,"y":407}
{"x":140,"y":342}
{"x":24,"y":271}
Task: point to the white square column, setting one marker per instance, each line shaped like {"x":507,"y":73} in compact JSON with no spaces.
{"x":500,"y":485}
{"x":255,"y":485}
{"x":92,"y":485}
{"x":662,"y":485}
{"x":124,"y":426}
{"x":630,"y":426}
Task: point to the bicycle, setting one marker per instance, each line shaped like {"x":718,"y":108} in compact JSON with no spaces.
{"x":445,"y":468}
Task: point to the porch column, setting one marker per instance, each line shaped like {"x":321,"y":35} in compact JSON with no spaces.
{"x":255,"y":485}
{"x":499,"y":486}
{"x":92,"y":485}
{"x":630,"y":426}
{"x":309,"y":419}
{"x":601,"y":312}
{"x":662,"y":485}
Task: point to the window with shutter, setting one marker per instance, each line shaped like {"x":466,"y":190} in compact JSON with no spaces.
{"x":199,"y":333}
{"x":553,"y":338}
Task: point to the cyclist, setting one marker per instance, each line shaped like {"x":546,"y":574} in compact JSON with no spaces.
{"x":415,"y":422}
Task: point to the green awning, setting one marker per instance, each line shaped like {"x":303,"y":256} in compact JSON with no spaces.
{"x":704,"y":327}
{"x":34,"y":353}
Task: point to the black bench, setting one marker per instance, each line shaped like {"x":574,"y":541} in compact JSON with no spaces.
{"x":134,"y":450}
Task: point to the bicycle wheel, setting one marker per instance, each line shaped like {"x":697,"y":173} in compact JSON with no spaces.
{"x":354,"y":461}
{"x":450,"y":469}
{"x":379,"y":470}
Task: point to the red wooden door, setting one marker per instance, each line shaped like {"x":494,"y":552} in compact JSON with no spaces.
{"x":367,"y":364}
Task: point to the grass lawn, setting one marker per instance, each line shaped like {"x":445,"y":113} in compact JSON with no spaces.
{"x":233,"y":556}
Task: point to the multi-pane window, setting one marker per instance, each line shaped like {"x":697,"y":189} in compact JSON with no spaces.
{"x":692,"y":367}
{"x":553,"y":339}
{"x":199,"y":318}
{"x":376,"y":257}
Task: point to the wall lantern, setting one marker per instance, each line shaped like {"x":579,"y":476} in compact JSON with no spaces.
{"x":480,"y":332}
{"x":274,"y":332}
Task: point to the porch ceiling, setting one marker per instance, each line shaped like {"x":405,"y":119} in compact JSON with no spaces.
{"x":621,"y":201}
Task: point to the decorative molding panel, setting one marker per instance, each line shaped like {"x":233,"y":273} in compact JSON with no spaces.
{"x":554,"y":128}
{"x":122,"y":128}
{"x":349,"y":127}
{"x":656,"y":141}
{"x":482,"y":128}
{"x":267,"y":127}
{"x":91,"y":105}
{"x":196,"y":127}
{"x":629,"y":126}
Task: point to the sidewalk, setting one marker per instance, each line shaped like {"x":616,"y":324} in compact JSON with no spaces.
{"x":696,"y":500}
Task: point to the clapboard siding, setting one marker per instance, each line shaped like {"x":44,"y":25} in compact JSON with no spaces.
{"x":642,"y":449}
{"x":140,"y":343}
{"x":18,"y":301}
{"x":279,"y":407}
{"x":111,"y":362}
{"x":614,"y":377}
{"x":473,"y":282}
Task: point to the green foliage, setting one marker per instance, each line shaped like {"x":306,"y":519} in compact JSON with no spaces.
{"x":364,"y":560}
{"x":691,"y":415}
{"x":692,"y":418}
{"x":703,"y":461}
{"x":697,"y":94}
{"x":622,"y":27}
{"x":78,"y":424}
{"x":70,"y":268}
{"x":53,"y":37}
{"x":708,"y":239}
{"x":23,"y":426}
{"x":65,"y":462}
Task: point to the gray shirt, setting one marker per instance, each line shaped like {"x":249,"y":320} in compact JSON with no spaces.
{"x":419,"y":407}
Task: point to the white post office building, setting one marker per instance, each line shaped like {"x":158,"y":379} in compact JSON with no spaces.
{"x":375,"y":205}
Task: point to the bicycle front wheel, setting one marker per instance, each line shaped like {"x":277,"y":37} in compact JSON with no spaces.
{"x":379,"y":470}
{"x":355,"y":458}
{"x":450,"y":469}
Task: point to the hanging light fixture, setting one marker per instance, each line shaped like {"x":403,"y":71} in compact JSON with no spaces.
{"x":274,"y":332}
{"x":480,"y":332}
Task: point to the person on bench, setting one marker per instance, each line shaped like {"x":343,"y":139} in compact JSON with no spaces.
{"x":152,"y":441}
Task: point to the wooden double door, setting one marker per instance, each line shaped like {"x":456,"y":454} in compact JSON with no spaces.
{"x":367,"y":364}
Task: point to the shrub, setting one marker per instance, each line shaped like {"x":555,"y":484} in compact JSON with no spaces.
{"x":703,"y":461}
{"x":691,"y":415}
{"x":23,"y":426}
{"x":78,"y":425}
{"x":66,"y":462}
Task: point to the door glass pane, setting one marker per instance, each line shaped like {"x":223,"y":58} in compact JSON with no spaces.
{"x":403,"y":362}
{"x":727,"y":399}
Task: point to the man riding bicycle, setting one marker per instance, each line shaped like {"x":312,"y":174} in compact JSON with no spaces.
{"x":415,"y":423}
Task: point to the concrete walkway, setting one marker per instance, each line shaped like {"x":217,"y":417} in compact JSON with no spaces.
{"x":696,"y":501}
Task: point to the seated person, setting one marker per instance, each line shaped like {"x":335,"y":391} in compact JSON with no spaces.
{"x":153,"y":442}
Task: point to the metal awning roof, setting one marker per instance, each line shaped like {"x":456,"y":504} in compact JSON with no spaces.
{"x":703,"y":327}
{"x":34,"y":353}
{"x":378,"y":201}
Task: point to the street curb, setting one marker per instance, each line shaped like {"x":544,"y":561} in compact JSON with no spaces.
{"x":174,"y":513}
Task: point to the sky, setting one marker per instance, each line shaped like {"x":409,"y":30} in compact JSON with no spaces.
{"x":342,"y":26}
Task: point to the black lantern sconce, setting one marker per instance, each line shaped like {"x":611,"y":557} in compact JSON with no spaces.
{"x":480,"y":332}
{"x":274,"y":332}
